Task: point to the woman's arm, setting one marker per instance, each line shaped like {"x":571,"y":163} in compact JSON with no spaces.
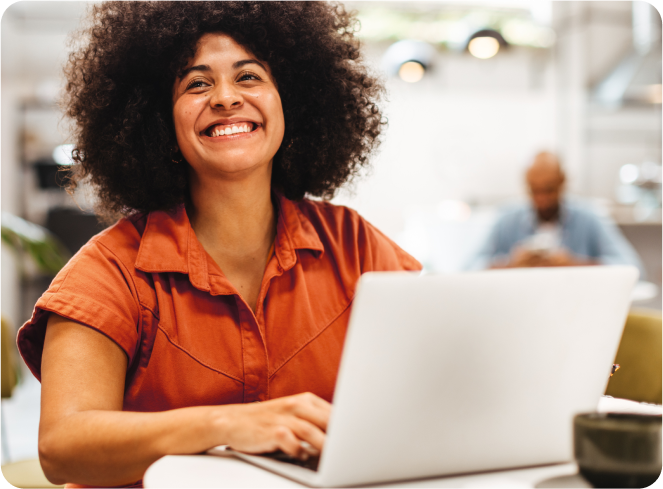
{"x":86,"y":438}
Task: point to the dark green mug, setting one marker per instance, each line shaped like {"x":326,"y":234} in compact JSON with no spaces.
{"x":618,"y":450}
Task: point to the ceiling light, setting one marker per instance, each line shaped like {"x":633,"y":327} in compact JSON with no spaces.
{"x":485,"y":43}
{"x":411,"y":71}
{"x":408,"y":59}
{"x":483,"y":47}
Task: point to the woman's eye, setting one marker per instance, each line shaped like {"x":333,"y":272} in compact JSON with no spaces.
{"x":248,"y":77}
{"x":195,"y":84}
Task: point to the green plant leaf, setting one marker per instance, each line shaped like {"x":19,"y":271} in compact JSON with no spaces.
{"x":47,"y":252}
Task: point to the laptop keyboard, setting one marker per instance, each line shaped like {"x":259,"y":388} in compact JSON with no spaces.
{"x":311,"y":463}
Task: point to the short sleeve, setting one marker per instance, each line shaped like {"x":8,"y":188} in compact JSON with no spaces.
{"x":96,"y":289}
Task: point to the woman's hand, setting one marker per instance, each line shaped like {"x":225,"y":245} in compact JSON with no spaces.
{"x":279,"y":424}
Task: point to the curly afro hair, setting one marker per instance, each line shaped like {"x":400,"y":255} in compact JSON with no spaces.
{"x":119,"y":93}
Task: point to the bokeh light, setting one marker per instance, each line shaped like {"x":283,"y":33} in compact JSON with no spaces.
{"x":411,"y":71}
{"x":483,"y":47}
{"x":628,"y":173}
{"x":62,"y":154}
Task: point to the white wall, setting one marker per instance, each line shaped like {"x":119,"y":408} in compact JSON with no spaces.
{"x":465,"y":132}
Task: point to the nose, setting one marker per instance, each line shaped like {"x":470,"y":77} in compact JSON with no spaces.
{"x":225,"y":96}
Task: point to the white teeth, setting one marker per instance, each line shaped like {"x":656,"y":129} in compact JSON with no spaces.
{"x":228,"y":130}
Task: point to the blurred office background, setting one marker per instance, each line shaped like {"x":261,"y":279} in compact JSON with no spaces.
{"x":581,"y":79}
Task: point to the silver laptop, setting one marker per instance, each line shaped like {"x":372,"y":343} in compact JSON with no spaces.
{"x":448,"y":374}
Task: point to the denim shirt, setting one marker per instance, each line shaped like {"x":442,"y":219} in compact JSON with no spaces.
{"x":585,"y":234}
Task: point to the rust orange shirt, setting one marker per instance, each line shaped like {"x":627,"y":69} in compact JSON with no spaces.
{"x":190,"y":338}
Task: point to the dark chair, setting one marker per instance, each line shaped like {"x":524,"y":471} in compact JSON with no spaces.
{"x":73,"y":226}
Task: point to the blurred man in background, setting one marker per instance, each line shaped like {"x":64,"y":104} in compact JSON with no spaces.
{"x":553,"y":231}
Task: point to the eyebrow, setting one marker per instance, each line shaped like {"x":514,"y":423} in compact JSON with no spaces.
{"x":188,"y":70}
{"x":236,"y":65}
{"x":239,"y":64}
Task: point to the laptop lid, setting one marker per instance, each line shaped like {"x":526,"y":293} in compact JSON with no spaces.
{"x":445,"y":374}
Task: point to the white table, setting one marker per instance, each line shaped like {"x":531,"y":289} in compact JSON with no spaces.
{"x":608,"y":404}
{"x":226,"y":472}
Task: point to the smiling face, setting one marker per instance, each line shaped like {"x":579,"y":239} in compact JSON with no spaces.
{"x":227,"y":110}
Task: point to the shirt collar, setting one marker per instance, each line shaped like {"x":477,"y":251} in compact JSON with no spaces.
{"x":294,"y":231}
{"x":169,"y":243}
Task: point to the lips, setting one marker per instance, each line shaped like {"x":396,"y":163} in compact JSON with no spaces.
{"x":219,"y":129}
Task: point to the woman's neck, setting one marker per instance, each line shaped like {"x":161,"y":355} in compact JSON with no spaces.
{"x":233,"y":219}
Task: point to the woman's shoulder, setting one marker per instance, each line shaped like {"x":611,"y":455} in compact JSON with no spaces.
{"x":344,"y":231}
{"x":106,"y":261}
{"x":334,"y":222}
{"x":125,"y":233}
{"x":121,"y":240}
{"x":327,"y":211}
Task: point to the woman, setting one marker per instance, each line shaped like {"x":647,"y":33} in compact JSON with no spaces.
{"x":205,"y":124}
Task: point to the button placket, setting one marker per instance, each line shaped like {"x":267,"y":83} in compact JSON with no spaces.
{"x":254,"y":354}
{"x":256,"y":362}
